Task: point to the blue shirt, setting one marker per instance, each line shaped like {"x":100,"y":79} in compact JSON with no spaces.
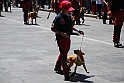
{"x":63,"y":23}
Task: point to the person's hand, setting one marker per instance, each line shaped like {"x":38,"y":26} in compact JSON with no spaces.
{"x":81,"y":32}
{"x":63,"y":34}
{"x":109,"y":13}
{"x":51,"y":10}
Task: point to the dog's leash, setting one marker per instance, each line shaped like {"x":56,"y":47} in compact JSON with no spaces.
{"x":81,"y":42}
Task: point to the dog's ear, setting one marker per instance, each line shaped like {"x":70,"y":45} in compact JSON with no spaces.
{"x":83,"y":53}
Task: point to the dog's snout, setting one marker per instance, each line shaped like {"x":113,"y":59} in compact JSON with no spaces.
{"x":75,"y":52}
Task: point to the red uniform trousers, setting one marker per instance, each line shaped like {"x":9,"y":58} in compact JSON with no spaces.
{"x":93,"y":5}
{"x":26,"y":7}
{"x":118,"y":17}
{"x":64,"y":47}
{"x":105,"y":10}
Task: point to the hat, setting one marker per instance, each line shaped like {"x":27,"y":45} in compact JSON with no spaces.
{"x":67,"y":5}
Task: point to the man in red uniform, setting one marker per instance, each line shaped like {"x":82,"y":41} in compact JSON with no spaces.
{"x":26,"y":5}
{"x":116,"y":8}
{"x":63,"y":28}
{"x":75,"y":5}
{"x":105,"y":10}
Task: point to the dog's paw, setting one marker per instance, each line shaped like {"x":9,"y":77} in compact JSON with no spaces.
{"x":88,"y":72}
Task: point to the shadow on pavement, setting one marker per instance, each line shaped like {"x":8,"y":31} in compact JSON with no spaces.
{"x":80,"y":78}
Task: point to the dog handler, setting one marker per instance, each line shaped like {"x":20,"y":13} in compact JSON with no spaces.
{"x":62,"y":26}
{"x":116,"y":8}
{"x":26,"y":5}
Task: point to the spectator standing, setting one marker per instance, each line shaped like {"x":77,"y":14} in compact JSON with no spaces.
{"x":93,"y":6}
{"x":1,"y":5}
{"x":43,"y":2}
{"x":82,"y":3}
{"x":105,"y":10}
{"x":88,"y":6}
{"x":99,"y":7}
{"x":49,"y":1}
{"x":75,"y":5}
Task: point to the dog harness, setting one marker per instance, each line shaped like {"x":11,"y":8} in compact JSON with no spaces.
{"x":79,"y":62}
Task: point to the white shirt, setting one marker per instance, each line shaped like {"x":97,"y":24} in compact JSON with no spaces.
{"x":99,"y":1}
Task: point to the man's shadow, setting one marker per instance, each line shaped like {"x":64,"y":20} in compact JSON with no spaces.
{"x":80,"y":78}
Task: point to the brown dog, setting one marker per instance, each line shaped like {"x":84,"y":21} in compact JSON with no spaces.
{"x":37,"y":9}
{"x":77,"y":59}
{"x":81,"y":13}
{"x":32,"y":15}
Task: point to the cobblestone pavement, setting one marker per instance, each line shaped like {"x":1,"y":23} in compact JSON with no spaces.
{"x":28,"y":52}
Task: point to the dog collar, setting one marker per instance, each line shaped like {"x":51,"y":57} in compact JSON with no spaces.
{"x":79,"y":62}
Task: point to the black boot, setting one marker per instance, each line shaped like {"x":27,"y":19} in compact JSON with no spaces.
{"x":67,"y":75}
{"x":118,"y":45}
{"x":58,"y":70}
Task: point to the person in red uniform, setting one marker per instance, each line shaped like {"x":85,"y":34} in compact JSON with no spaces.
{"x":93,"y":5}
{"x":55,"y":5}
{"x":62,"y":27}
{"x":82,"y":3}
{"x":76,"y":6}
{"x":26,"y":5}
{"x":105,"y":10}
{"x":116,"y":8}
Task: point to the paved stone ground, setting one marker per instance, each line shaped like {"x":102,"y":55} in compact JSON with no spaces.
{"x":28,"y":52}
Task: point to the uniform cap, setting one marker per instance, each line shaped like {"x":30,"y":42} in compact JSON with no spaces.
{"x":67,"y":5}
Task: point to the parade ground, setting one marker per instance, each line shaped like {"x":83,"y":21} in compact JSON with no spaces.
{"x":28,"y":52}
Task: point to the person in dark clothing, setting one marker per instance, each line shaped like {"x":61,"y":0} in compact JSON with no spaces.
{"x":105,"y":10}
{"x":43,"y":2}
{"x":116,"y":8}
{"x":26,"y":5}
{"x":63,"y":27}
{"x":1,"y":5}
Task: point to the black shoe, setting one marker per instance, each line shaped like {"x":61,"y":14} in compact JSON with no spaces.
{"x":25,"y":23}
{"x":111,"y":23}
{"x":104,"y":22}
{"x":118,"y":45}
{"x":67,"y":75}
{"x":58,"y":70}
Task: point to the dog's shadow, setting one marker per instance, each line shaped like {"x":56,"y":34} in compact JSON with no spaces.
{"x":80,"y":78}
{"x":34,"y":24}
{"x":121,"y":47}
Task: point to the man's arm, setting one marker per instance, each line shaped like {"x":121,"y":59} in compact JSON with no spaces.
{"x":79,"y":31}
{"x":51,"y":4}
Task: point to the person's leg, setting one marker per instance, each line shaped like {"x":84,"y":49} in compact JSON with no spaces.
{"x":118,"y":23}
{"x":99,"y":6}
{"x":25,"y":16}
{"x":88,"y":6}
{"x":104,"y":14}
{"x":64,"y":46}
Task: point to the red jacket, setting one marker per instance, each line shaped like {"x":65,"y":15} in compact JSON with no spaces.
{"x":26,"y":4}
